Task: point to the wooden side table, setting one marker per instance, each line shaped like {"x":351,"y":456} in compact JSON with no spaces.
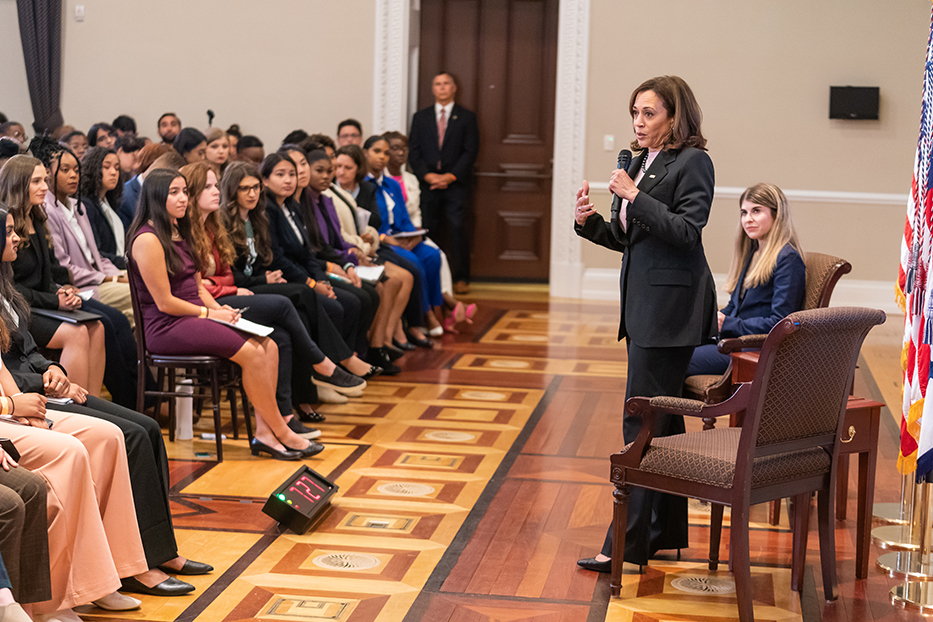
{"x":859,"y":436}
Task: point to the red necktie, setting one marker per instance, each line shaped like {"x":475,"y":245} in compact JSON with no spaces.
{"x":441,"y":128}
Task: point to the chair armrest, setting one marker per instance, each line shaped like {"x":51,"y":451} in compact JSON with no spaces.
{"x":736,"y":344}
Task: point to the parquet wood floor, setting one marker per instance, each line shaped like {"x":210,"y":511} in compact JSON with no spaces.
{"x":469,"y":486}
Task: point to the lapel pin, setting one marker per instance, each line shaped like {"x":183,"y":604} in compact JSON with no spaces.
{"x":651,"y":176}
{"x":454,"y":117}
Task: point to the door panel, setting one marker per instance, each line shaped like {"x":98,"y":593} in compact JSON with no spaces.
{"x":504,"y":56}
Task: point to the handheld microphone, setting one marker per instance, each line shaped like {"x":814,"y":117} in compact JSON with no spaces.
{"x":625,"y":157}
{"x":210,"y":120}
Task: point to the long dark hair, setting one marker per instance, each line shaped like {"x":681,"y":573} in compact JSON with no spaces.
{"x":9,"y":292}
{"x":152,"y":211}
{"x":230,"y":207}
{"x":92,"y":179}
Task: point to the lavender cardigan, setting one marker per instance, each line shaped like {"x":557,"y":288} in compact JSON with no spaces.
{"x":68,"y":249}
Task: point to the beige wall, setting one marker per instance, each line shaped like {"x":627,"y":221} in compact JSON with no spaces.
{"x":269,"y":66}
{"x":761,"y":72}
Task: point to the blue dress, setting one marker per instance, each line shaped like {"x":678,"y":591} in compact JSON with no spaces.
{"x":426,"y":258}
{"x":756,"y":310}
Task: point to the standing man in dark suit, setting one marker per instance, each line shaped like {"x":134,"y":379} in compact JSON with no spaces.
{"x":443,"y":144}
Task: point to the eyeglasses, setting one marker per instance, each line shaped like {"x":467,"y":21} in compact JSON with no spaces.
{"x":248,"y":189}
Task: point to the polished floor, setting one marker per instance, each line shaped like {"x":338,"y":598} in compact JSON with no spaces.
{"x":471,"y":483}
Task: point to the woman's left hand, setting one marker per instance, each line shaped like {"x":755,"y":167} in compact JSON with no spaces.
{"x":622,"y":185}
{"x":55,"y":382}
{"x":354,"y":277}
{"x":721,"y":317}
{"x":77,"y":393}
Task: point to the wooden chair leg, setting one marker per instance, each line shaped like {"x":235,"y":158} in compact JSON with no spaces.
{"x":619,"y":523}
{"x":715,"y":534}
{"x":215,"y":397}
{"x":824,"y":506}
{"x":171,"y":404}
{"x":738,"y":535}
{"x":141,"y":386}
{"x":246,"y":413}
{"x":842,"y":486}
{"x":774,"y":513}
{"x":800,"y":527}
{"x":231,"y":397}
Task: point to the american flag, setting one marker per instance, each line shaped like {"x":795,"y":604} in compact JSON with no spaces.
{"x":915,"y":299}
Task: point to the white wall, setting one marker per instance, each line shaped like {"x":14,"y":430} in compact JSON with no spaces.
{"x":14,"y":92}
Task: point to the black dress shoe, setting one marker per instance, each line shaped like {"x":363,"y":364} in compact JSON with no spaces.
{"x":590,"y":563}
{"x":407,"y":347}
{"x":190,"y":568}
{"x":393,"y":352}
{"x":311,"y":450}
{"x":169,"y":587}
{"x":311,"y":417}
{"x":256,"y":447}
{"x":421,"y":342}
{"x":374,"y":370}
{"x":377,"y":357}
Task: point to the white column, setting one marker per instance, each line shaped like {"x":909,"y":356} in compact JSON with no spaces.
{"x":390,"y":75}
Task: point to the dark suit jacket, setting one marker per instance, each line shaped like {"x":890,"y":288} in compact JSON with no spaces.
{"x":128,"y":203}
{"x":104,"y":235}
{"x":667,"y":291}
{"x":37,"y":273}
{"x":461,"y":144}
{"x":289,"y":254}
{"x":757,"y":310}
{"x":25,"y":362}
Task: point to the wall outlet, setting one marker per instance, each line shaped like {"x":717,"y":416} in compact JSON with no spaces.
{"x":609,"y":142}
{"x":79,"y":12}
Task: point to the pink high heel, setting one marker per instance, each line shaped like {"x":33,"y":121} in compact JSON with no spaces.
{"x":470,"y":312}
{"x":450,"y":326}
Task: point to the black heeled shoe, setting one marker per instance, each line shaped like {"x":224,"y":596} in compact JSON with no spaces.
{"x":311,"y":450}
{"x":169,"y":587}
{"x":190,"y":568}
{"x":374,"y":370}
{"x":393,"y":352}
{"x":590,"y":563}
{"x":404,"y":346}
{"x":377,"y":357}
{"x":256,"y":447}
{"x":311,"y":417}
{"x":421,"y":342}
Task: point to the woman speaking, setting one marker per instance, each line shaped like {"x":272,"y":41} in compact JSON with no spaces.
{"x":667,"y":292}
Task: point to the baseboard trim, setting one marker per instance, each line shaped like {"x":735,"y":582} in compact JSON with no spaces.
{"x":809,"y":196}
{"x":603,"y":284}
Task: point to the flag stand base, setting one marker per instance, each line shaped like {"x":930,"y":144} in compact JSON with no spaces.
{"x":908,"y":536}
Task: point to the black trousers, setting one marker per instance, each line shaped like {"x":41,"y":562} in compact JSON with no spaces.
{"x":446,"y":215}
{"x":297,"y":352}
{"x":414,"y":310}
{"x":368,"y":300}
{"x":148,"y":464}
{"x":656,"y":520}
{"x":325,"y":322}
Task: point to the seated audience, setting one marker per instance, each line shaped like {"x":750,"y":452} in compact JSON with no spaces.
{"x":128,"y":147}
{"x":218,"y":150}
{"x":8,"y":149}
{"x":300,"y":359}
{"x":191,"y":144}
{"x":169,"y":126}
{"x":77,"y":142}
{"x":250,"y":149}
{"x":145,"y":449}
{"x":123,"y":125}
{"x":767,"y":279}
{"x":176,"y":310}
{"x":349,"y":132}
{"x":101,"y":193}
{"x":247,"y":225}
{"x":100,"y":135}
{"x":15,"y":130}
{"x":147,"y":157}
{"x":233,"y":136}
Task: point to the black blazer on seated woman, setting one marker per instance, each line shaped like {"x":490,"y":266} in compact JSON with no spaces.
{"x":37,"y":273}
{"x":668,"y":295}
{"x":291,"y":254}
{"x":104,"y":235}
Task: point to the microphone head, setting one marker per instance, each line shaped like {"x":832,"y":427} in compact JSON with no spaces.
{"x":210,"y":117}
{"x":625,"y":157}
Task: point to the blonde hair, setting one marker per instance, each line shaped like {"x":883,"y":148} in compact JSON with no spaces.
{"x":781,"y":234}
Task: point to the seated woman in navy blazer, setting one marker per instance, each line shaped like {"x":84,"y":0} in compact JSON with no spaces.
{"x":767,"y":279}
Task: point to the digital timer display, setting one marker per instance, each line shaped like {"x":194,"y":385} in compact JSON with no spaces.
{"x":300,"y":499}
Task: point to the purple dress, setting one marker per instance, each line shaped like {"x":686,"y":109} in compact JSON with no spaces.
{"x":182,"y":334}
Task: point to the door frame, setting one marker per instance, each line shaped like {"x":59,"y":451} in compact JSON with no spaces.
{"x":395,"y":79}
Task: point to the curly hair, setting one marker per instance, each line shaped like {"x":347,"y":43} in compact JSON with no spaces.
{"x":91,"y":185}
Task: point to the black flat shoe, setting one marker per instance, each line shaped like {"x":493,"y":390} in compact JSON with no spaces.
{"x":393,"y":352}
{"x":311,"y":417}
{"x":341,"y":381}
{"x":405,"y":346}
{"x":190,"y":568}
{"x":590,"y":563}
{"x":379,"y":358}
{"x":169,"y":587}
{"x":374,"y":370}
{"x":421,"y":342}
{"x":256,"y":447}
{"x":311,"y":450}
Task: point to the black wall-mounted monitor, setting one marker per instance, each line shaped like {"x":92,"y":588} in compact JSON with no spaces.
{"x":853,"y":102}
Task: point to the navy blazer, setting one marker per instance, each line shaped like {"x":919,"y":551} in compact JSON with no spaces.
{"x":760,"y":308}
{"x":668,"y":294}
{"x":104,"y":235}
{"x":128,"y":203}
{"x":461,"y":144}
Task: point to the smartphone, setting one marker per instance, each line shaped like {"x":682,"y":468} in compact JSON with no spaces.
{"x":9,"y":448}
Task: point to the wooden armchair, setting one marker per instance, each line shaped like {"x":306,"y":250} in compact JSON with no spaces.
{"x":823,"y":272}
{"x":787,"y":446}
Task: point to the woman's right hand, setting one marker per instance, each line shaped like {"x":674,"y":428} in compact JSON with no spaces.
{"x":324,"y":289}
{"x":7,"y":461}
{"x":30,"y":408}
{"x":274,"y":276}
{"x":67,"y":300}
{"x":584,"y":208}
{"x":224,"y":314}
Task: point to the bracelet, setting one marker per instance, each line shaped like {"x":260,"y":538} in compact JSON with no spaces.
{"x":203,"y":313}
{"x":348,"y":265}
{"x":312,"y":283}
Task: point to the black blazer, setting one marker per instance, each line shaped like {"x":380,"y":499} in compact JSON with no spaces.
{"x":36,"y":271}
{"x":461,"y":144}
{"x":25,"y":362}
{"x":104,"y":235}
{"x":667,"y":291}
{"x":289,"y":254}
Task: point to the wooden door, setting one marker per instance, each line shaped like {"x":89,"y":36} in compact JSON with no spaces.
{"x":503,"y":54}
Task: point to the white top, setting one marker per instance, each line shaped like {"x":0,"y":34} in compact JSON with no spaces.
{"x":447,"y":110}
{"x":116,"y":224}
{"x":291,"y":221}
